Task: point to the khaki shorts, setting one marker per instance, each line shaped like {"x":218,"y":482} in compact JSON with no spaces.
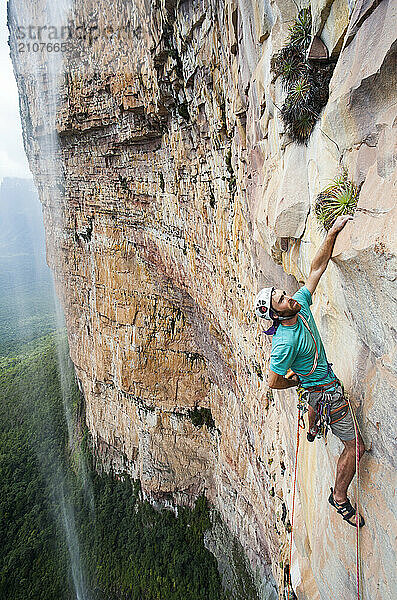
{"x":341,"y":419}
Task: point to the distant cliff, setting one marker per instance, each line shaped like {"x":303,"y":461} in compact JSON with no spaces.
{"x":173,"y":192}
{"x":27,"y":308}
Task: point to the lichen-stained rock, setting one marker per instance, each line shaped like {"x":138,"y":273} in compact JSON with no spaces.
{"x":171,"y":194}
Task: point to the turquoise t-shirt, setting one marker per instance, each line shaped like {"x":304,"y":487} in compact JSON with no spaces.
{"x":293,"y":346}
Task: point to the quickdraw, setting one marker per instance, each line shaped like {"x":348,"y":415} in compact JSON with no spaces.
{"x":323,"y":416}
{"x":302,"y":406}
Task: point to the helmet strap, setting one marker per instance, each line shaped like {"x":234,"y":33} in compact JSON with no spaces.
{"x":276,"y":317}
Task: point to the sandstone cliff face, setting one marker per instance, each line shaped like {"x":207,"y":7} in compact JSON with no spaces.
{"x":171,"y":196}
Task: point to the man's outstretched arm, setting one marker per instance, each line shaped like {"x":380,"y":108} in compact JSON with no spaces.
{"x":324,"y":253}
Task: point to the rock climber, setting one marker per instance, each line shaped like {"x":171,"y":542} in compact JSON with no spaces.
{"x":298,"y":359}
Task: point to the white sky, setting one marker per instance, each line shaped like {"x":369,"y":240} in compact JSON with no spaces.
{"x":13,"y":161}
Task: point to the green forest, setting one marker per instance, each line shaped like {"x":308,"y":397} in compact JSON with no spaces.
{"x":128,"y":550}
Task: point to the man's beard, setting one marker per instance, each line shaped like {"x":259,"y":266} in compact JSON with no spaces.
{"x":291,"y":312}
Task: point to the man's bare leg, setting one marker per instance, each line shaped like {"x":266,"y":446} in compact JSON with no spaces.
{"x":346,"y":468}
{"x":311,"y":416}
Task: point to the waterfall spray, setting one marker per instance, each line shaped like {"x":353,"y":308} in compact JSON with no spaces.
{"x":39,"y":71}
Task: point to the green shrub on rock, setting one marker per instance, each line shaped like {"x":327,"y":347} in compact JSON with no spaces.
{"x":289,"y":64}
{"x":300,"y":30}
{"x":306,"y":85}
{"x":339,"y":198}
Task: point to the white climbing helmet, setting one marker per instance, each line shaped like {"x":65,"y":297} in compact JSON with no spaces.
{"x":263,"y":304}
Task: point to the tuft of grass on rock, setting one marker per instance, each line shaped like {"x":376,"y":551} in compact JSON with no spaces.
{"x":299,"y":98}
{"x":339,"y":198}
{"x":289,"y":64}
{"x":300,"y":30}
{"x":300,"y":127}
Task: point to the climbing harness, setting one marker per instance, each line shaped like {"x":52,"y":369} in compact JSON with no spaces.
{"x":325,"y":417}
{"x":324,"y":413}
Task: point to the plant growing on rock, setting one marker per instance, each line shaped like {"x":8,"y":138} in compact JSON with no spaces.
{"x":299,"y":97}
{"x":300,"y":91}
{"x":289,"y":64}
{"x":300,"y":126}
{"x":307,"y":88}
{"x":300,"y":30}
{"x":339,"y":198}
{"x":301,"y":109}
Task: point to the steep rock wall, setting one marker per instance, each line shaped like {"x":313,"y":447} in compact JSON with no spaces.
{"x":170,"y":197}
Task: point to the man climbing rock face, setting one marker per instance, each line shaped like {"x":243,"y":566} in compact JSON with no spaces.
{"x":298,"y":359}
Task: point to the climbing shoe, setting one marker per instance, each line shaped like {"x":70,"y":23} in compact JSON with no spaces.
{"x":346,"y":510}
